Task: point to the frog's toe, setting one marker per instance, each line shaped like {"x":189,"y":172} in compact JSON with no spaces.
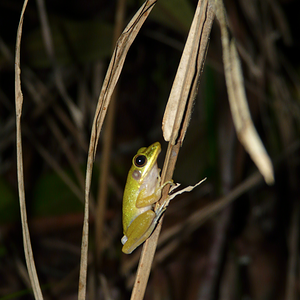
{"x":124,"y":239}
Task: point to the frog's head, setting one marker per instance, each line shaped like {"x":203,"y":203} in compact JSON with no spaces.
{"x":144,"y":160}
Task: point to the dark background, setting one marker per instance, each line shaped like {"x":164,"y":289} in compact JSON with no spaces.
{"x":244,"y":252}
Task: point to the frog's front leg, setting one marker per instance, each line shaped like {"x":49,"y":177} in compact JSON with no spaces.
{"x":144,"y":200}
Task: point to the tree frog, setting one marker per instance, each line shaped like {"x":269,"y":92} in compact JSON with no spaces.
{"x":142,"y":191}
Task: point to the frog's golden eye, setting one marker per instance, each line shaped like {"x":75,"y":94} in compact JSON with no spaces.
{"x":140,"y":161}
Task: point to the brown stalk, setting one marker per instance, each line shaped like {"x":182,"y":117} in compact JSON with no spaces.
{"x":175,"y":121}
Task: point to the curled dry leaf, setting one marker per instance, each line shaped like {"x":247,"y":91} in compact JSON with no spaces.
{"x":245,"y":129}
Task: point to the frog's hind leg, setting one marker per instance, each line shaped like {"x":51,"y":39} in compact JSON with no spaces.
{"x":139,"y":230}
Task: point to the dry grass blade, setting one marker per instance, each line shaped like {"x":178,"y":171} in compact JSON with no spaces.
{"x":107,"y":146}
{"x":19,"y":103}
{"x":238,"y":103}
{"x":111,"y":78}
{"x":180,"y":100}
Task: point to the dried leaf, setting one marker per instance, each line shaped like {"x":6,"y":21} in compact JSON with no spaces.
{"x":187,"y":189}
{"x":185,"y":84}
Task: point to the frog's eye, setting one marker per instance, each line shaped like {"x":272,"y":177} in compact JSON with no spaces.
{"x":140,"y":161}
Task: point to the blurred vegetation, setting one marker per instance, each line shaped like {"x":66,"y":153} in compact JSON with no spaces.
{"x":243,"y":252}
